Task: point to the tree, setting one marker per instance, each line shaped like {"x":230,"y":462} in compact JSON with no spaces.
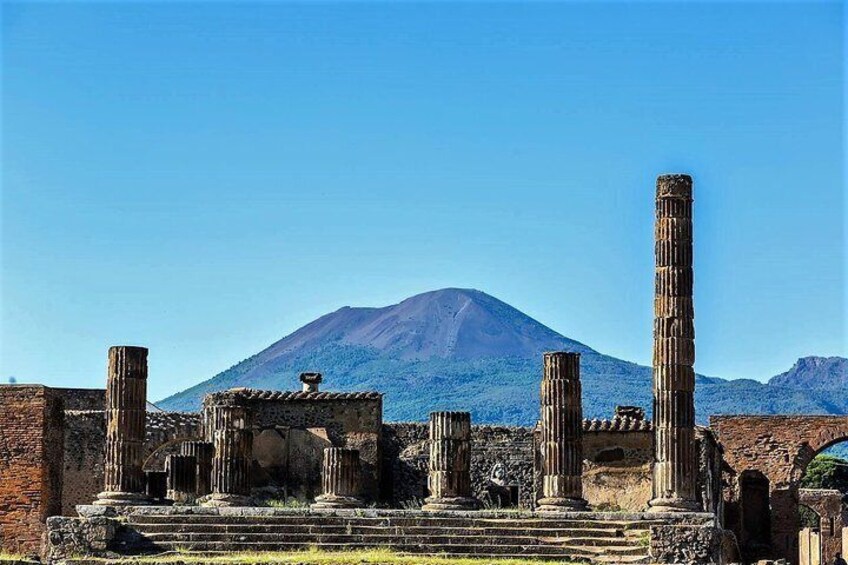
{"x":827,"y":471}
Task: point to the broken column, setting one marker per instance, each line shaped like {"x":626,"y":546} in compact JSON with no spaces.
{"x":203,"y":452}
{"x":675,"y":473}
{"x":562,"y":434}
{"x":231,"y":426}
{"x":449,"y":480}
{"x":157,"y":486}
{"x":182,"y":478}
{"x":126,"y":413}
{"x":341,"y":479}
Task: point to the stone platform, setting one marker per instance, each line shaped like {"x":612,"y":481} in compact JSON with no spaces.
{"x":596,"y":537}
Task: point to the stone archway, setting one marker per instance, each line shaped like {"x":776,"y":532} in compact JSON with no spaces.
{"x":781,"y":448}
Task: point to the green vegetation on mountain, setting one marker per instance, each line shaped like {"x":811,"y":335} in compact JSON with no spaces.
{"x":465,"y":350}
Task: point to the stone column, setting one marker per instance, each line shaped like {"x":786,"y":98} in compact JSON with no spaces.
{"x":232,"y":435}
{"x":157,"y":486}
{"x":203,"y":451}
{"x":449,"y":479}
{"x":675,"y":472}
{"x":182,"y":478}
{"x":126,"y":414}
{"x":562,"y":434}
{"x":341,"y":479}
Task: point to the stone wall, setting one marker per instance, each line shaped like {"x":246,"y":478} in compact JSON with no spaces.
{"x":85,"y":444}
{"x":616,"y":469}
{"x":293,"y":428}
{"x":777,"y":450}
{"x":828,"y":505}
{"x":30,"y":464}
{"x":82,"y":398}
{"x":497,"y":452}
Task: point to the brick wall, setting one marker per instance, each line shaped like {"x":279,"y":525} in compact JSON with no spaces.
{"x":777,"y":448}
{"x":30,"y":464}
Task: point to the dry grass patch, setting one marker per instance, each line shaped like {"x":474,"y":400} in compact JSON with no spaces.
{"x":320,"y":557}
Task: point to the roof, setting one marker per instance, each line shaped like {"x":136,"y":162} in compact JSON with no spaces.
{"x":288,"y":395}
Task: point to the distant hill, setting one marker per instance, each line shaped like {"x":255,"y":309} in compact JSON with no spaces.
{"x":464,"y":349}
{"x":818,"y":373}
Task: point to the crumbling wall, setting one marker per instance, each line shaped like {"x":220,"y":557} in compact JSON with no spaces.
{"x":84,"y":454}
{"x":291,"y":429}
{"x":85,"y":447}
{"x":30,"y":464}
{"x":616,"y":469}
{"x":780,"y":448}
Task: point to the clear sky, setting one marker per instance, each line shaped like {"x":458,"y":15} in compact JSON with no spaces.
{"x":204,"y":178}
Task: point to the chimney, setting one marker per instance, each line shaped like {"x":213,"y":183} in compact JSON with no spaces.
{"x":311,"y":381}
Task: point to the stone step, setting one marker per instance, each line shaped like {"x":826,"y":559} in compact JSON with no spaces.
{"x":291,"y":529}
{"x":564,"y":552}
{"x":388,"y":521}
{"x":382,"y":540}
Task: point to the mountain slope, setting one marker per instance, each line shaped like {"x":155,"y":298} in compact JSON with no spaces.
{"x":463,"y":349}
{"x":818,"y":373}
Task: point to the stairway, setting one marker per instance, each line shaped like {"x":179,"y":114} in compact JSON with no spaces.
{"x":606,"y":541}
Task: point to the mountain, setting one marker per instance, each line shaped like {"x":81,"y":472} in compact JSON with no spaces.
{"x":818,"y":373}
{"x":465,"y":350}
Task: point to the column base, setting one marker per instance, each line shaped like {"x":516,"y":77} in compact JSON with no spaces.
{"x":334,"y":501}
{"x":112,"y":498}
{"x":459,"y":503}
{"x":673,"y":505}
{"x":561,"y":504}
{"x":222,"y":499}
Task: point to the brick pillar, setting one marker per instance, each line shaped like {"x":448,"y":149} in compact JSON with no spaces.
{"x":232,"y":435}
{"x":157,"y":486}
{"x":182,"y":478}
{"x":341,"y":479}
{"x":562,"y":434}
{"x":675,"y":473}
{"x":449,"y":479}
{"x":126,"y":413}
{"x":203,"y":451}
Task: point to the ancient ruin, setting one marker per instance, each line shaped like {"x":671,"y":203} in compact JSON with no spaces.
{"x":126,"y":412}
{"x":449,"y":480}
{"x":562,"y":434}
{"x":94,"y":473}
{"x":674,"y":349}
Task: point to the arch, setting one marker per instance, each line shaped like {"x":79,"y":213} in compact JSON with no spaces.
{"x":780,"y":448}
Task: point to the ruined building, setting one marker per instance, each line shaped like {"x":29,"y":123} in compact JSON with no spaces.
{"x":94,"y":471}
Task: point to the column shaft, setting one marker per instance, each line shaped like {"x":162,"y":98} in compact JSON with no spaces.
{"x":182,"y":478}
{"x":562,"y":433}
{"x":204,"y":452}
{"x":675,"y":473}
{"x":341,"y":479}
{"x":231,"y":428}
{"x":449,"y":480}
{"x":126,"y":413}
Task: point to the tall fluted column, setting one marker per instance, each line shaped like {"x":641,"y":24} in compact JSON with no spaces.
{"x":562,"y":434}
{"x":341,"y":479}
{"x":203,"y":452}
{"x":449,"y":479}
{"x":182,"y":478}
{"x":232,"y":435}
{"x":126,"y":414}
{"x":674,"y":349}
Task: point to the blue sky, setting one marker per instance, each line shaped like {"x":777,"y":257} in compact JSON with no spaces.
{"x":204,"y":178}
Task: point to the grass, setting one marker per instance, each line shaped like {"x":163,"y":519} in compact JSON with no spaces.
{"x":6,"y":556}
{"x":319,"y":557}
